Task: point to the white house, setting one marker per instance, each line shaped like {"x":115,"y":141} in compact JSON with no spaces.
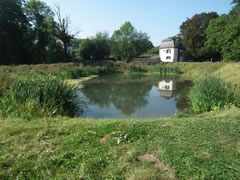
{"x":166,"y":88}
{"x":171,"y":51}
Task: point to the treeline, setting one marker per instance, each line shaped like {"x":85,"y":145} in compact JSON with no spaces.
{"x":208,"y":36}
{"x":125,"y":44}
{"x":29,"y":34}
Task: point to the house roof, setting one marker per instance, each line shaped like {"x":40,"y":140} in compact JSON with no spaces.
{"x":169,"y":43}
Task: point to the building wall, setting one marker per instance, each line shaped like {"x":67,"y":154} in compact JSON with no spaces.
{"x":169,"y":55}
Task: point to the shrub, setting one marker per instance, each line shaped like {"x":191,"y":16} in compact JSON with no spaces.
{"x":39,"y":96}
{"x":211,"y":93}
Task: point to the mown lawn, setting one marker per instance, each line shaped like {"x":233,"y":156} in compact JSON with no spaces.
{"x":203,"y":146}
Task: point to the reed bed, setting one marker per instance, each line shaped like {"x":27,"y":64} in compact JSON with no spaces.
{"x":41,"y":95}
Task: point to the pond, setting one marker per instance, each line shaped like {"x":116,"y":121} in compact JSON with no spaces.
{"x":134,"y":96}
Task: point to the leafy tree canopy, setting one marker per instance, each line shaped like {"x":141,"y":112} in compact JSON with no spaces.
{"x":13,"y":26}
{"x":194,"y":36}
{"x":95,"y":48}
{"x":128,"y":43}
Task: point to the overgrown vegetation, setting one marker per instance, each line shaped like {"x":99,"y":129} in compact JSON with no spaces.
{"x":211,"y":93}
{"x":39,"y":96}
{"x":39,"y":90}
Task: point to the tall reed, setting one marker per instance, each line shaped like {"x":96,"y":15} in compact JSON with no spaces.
{"x":135,"y":69}
{"x":39,"y":96}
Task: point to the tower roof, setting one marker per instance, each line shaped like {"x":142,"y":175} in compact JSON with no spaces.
{"x":169,"y":43}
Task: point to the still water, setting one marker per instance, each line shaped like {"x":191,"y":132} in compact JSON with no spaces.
{"x":134,"y":96}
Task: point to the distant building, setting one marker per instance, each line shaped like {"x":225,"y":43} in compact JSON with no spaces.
{"x":171,"y":51}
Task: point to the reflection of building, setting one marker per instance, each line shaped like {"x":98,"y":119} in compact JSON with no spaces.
{"x":166,"y":88}
{"x":171,"y":51}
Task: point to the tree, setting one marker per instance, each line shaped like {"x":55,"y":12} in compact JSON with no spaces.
{"x":86,"y":49}
{"x":13,"y":27}
{"x":236,"y":2}
{"x":95,"y":48}
{"x":102,"y":45}
{"x":223,"y":36}
{"x":194,"y":36}
{"x":63,"y":32}
{"x":43,"y":30}
{"x":128,"y":43}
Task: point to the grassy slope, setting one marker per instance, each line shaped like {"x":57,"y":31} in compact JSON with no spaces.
{"x":199,"y":147}
{"x":227,"y":71}
{"x":204,"y":146}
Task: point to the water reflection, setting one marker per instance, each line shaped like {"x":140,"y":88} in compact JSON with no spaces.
{"x":126,"y":95}
{"x":132,"y":96}
{"x":166,"y":88}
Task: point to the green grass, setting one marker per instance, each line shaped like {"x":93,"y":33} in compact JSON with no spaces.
{"x":205,"y":146}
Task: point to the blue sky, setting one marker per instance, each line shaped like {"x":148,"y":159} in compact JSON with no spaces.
{"x":159,"y":18}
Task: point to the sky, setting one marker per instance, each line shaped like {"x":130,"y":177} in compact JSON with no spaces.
{"x":160,"y":19}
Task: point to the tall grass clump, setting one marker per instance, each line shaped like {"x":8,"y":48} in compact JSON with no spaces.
{"x":211,"y":93}
{"x":39,"y":96}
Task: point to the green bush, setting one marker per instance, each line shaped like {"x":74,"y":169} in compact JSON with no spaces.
{"x":211,"y":93}
{"x":40,"y":95}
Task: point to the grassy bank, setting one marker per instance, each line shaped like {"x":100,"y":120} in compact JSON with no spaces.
{"x":205,"y":146}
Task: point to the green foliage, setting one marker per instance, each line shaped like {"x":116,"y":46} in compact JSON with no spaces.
{"x":5,"y":80}
{"x":135,"y":69}
{"x":211,"y":93}
{"x":39,"y":96}
{"x":96,"y":48}
{"x":128,"y":43}
{"x":14,"y":43}
{"x":30,"y":35}
{"x":223,"y":36}
{"x":154,"y":50}
{"x":43,"y":31}
{"x":194,"y":36}
{"x":77,"y":72}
